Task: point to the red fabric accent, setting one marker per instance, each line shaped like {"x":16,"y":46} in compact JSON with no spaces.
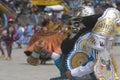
{"x":47,"y":19}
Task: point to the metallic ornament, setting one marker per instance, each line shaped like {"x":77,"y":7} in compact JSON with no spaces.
{"x":117,"y":34}
{"x":97,"y":42}
{"x":104,"y":28}
{"x":106,"y":24}
{"x":78,"y":55}
{"x":81,"y":43}
{"x":103,"y":68}
{"x":118,"y":27}
{"x":77,"y":59}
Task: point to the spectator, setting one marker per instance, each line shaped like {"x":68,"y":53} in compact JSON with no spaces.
{"x":29,"y":31}
{"x":20,"y":34}
{"x":8,"y":34}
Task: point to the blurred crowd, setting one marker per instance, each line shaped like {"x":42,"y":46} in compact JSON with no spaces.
{"x":26,"y":6}
{"x":21,"y":34}
{"x":22,"y":6}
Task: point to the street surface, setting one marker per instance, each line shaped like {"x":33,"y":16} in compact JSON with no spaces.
{"x":19,"y":69}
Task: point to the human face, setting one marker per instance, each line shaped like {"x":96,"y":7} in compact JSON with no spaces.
{"x":10,"y":23}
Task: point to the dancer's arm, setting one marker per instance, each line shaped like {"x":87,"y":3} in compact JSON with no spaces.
{"x":44,"y":53}
{"x":55,"y":56}
{"x":80,"y":71}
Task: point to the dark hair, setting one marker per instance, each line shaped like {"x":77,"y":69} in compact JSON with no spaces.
{"x":10,"y":21}
{"x":118,"y":3}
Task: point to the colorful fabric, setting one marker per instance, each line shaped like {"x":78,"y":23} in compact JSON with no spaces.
{"x":51,"y":42}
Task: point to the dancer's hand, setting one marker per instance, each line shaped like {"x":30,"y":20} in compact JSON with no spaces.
{"x":68,"y":74}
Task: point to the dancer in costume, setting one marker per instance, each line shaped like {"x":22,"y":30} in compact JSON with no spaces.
{"x":90,"y":58}
{"x":49,"y":35}
{"x":79,"y":26}
{"x":97,"y":46}
{"x":8,"y":37}
{"x":70,"y":59}
{"x":93,"y":50}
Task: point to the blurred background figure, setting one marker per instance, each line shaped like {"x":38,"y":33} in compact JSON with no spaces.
{"x":9,"y":37}
{"x":2,"y":55}
{"x":29,"y":31}
{"x":20,"y":35}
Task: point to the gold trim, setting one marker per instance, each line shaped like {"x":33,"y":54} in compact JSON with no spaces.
{"x":114,"y":67}
{"x":104,"y":27}
{"x":77,"y":59}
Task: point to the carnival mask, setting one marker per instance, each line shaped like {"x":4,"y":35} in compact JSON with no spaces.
{"x":75,"y":27}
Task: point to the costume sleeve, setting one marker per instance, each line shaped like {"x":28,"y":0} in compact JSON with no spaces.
{"x":82,"y":70}
{"x":55,"y":56}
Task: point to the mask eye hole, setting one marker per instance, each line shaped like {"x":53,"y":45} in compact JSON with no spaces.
{"x":76,"y":24}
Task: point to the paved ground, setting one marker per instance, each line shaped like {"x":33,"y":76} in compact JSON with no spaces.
{"x":19,"y":69}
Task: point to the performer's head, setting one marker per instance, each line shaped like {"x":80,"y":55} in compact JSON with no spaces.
{"x":10,"y":21}
{"x":76,"y":23}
